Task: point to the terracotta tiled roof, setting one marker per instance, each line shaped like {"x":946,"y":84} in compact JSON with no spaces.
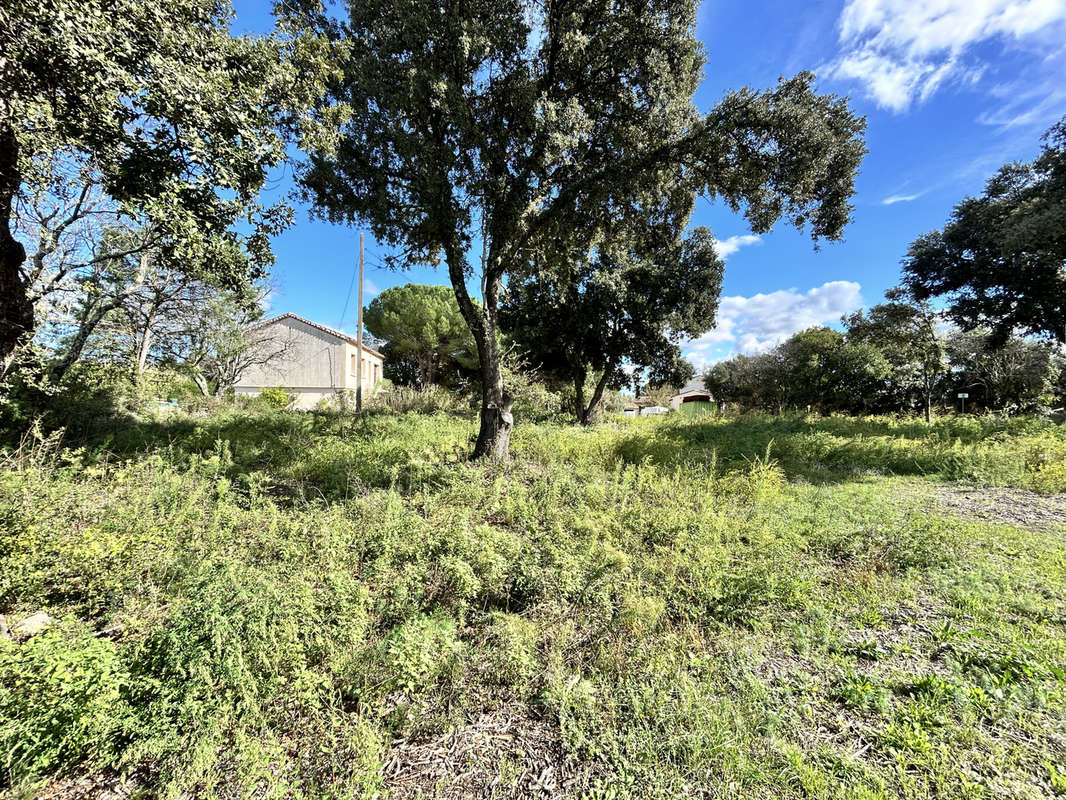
{"x":324,"y":328}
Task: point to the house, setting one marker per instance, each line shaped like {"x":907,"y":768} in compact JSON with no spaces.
{"x":693,"y":399}
{"x":310,"y":360}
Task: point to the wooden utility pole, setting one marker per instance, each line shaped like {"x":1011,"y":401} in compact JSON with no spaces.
{"x":359,"y":337}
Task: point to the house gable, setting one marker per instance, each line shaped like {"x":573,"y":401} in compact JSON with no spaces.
{"x":317,"y":360}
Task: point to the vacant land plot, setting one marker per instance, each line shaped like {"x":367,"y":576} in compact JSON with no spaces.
{"x":261,"y":604}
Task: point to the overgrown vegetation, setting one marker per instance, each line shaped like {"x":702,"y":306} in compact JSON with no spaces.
{"x":894,"y":360}
{"x":264,"y":602}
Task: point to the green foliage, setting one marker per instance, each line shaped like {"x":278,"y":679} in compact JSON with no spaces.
{"x":180,"y":120}
{"x":1021,"y":452}
{"x":999,"y":259}
{"x":815,"y":369}
{"x":61,"y":700}
{"x":511,"y":648}
{"x":418,"y":653}
{"x":905,"y":334}
{"x":276,"y":397}
{"x":891,"y":359}
{"x":586,"y":138}
{"x":404,"y":399}
{"x":422,"y":323}
{"x":619,"y":317}
{"x":1016,"y":375}
{"x":256,"y":601}
{"x":533,"y":399}
{"x":860,"y":692}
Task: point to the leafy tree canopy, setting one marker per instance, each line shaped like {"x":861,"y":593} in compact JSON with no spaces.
{"x":1016,"y":375}
{"x":753,"y":381}
{"x":1001,"y":259}
{"x":620,"y":318}
{"x":423,"y":322}
{"x":545,"y":131}
{"x":906,"y":333}
{"x":816,"y":369}
{"x":178,"y":120}
{"x":826,"y":372}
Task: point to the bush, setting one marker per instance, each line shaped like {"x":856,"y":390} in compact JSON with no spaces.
{"x":533,"y":400}
{"x":61,"y":701}
{"x":276,"y":397}
{"x":403,"y":399}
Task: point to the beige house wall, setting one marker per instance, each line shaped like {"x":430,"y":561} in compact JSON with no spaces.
{"x":315,"y":366}
{"x":373,"y":367}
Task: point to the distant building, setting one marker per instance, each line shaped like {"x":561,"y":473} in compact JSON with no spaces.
{"x":641,"y":406}
{"x":693,"y":398}
{"x":315,"y":362}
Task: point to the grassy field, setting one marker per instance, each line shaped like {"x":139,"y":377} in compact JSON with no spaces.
{"x":276,"y":605}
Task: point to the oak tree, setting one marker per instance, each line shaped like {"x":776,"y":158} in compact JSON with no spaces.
{"x":504,"y":136}
{"x":905,"y":331}
{"x":1001,"y":259}
{"x":177,"y":120}
{"x":1015,"y":375}
{"x":621,"y":318}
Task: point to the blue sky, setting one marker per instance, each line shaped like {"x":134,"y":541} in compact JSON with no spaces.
{"x":951,"y":89}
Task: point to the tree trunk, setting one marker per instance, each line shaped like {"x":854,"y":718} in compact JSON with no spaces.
{"x":201,"y":383}
{"x":85,"y":329}
{"x":597,"y":395}
{"x":494,"y":435}
{"x":145,"y":346}
{"x":585,"y":413}
{"x":927,"y":385}
{"x":16,"y":309}
{"x":90,"y":319}
{"x":579,"y":398}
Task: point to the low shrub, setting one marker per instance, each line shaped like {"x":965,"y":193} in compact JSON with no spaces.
{"x":254,"y":602}
{"x":275,"y":397}
{"x":408,"y":399}
{"x":62,"y":701}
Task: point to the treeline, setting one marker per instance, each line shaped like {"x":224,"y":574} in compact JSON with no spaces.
{"x":897,"y":357}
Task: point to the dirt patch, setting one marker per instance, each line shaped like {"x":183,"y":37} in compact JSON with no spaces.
{"x":1024,"y":509}
{"x":100,"y":786}
{"x":496,"y":755}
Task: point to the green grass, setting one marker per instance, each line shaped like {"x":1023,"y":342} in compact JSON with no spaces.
{"x":261,"y":603}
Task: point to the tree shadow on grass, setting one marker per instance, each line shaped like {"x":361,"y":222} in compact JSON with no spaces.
{"x":814,"y":449}
{"x":333,"y":456}
{"x":298,"y":455}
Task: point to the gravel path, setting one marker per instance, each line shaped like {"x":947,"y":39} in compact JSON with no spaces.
{"x":1024,"y":509}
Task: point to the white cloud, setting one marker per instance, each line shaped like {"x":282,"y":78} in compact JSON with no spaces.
{"x":1036,"y":99}
{"x":370,"y":289}
{"x":904,"y":50}
{"x":727,"y":247}
{"x":900,"y":198}
{"x":757,"y":323}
